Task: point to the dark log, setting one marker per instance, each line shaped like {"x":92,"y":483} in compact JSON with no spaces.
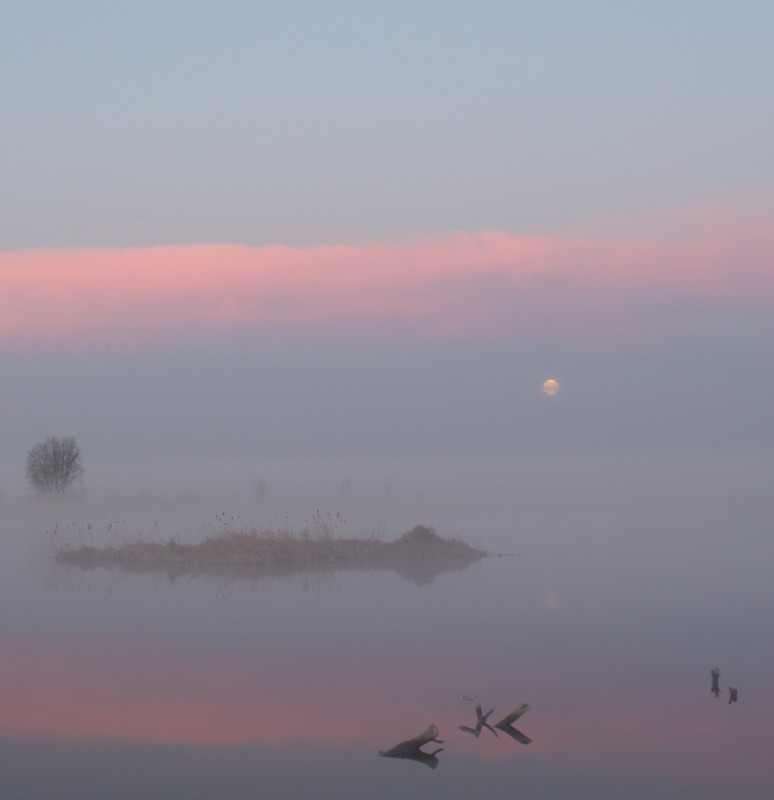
{"x":411,"y":748}
{"x":715,"y":689}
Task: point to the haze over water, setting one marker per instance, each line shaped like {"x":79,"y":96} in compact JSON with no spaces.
{"x":606,"y":613}
{"x":283,"y":266}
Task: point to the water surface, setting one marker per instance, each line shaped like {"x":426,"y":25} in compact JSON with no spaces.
{"x":606,"y":614}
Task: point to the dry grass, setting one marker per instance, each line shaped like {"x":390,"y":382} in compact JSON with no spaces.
{"x":268,"y":548}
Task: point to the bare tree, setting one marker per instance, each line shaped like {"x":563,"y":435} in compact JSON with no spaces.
{"x":54,"y":465}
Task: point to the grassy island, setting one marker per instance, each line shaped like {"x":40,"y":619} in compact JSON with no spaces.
{"x":266,"y":550}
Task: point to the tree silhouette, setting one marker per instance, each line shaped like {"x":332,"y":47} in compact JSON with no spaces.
{"x":54,"y":465}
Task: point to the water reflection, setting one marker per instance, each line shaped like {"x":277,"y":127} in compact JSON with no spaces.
{"x":290,"y":685}
{"x":514,"y":733}
{"x":419,"y":571}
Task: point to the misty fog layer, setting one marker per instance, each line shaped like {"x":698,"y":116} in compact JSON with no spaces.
{"x":445,"y":400}
{"x":622,"y":582}
{"x":336,"y":270}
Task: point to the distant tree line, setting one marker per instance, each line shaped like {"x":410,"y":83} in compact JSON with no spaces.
{"x":54,"y":465}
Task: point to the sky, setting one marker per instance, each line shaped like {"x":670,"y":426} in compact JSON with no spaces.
{"x":304,"y":228}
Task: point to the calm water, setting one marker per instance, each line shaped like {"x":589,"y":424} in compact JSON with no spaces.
{"x":617,"y":597}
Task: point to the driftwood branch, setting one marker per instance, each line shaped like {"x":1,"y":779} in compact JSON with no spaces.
{"x":411,"y":748}
{"x":505,"y":724}
{"x":715,"y":689}
{"x":481,"y":718}
{"x":513,"y":716}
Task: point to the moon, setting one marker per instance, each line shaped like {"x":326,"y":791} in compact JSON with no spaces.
{"x":551,"y":387}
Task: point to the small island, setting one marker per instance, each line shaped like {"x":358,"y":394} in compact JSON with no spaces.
{"x":419,"y":552}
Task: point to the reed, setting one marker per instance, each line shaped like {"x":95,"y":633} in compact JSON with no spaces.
{"x":259,"y":547}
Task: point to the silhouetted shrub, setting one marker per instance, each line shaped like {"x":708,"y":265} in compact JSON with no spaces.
{"x":54,"y":465}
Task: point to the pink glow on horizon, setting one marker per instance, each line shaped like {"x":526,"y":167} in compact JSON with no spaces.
{"x":455,"y":286}
{"x":89,"y":690}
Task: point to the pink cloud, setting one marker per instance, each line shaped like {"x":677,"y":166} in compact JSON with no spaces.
{"x":489,"y":284}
